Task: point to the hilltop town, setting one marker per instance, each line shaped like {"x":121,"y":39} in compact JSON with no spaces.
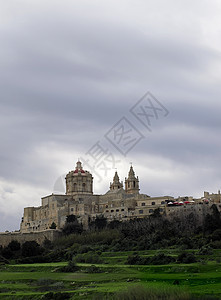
{"x":121,"y":202}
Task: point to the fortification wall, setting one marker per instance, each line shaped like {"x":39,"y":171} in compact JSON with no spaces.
{"x":39,"y":237}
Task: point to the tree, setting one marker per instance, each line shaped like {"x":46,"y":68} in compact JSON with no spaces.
{"x":114,"y":224}
{"x":186,"y":258}
{"x":71,"y":219}
{"x":100,"y":222}
{"x":212,"y":221}
{"x":31,"y":248}
{"x":156,"y":213}
{"x":14,"y":245}
{"x":7,"y":253}
{"x":72,"y":225}
{"x":53,"y":225}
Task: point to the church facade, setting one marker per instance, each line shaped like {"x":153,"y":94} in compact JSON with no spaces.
{"x":121,"y":202}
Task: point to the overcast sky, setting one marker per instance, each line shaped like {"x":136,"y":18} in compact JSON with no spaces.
{"x":72,"y":76}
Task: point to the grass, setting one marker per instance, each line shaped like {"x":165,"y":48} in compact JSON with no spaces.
{"x":116,"y":280}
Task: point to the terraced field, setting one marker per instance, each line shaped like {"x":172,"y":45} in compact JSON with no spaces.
{"x":107,"y":280}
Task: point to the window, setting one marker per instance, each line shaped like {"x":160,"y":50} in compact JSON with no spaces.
{"x":72,"y":209}
{"x":112,"y":210}
{"x":153,"y":203}
{"x":117,"y":210}
{"x":140,"y":211}
{"x":150,"y":211}
{"x":107,"y":210}
{"x":143,"y":204}
{"x":106,"y":206}
{"x":162,"y":202}
{"x":122,"y":209}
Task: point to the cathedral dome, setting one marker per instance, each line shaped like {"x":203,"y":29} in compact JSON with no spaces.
{"x":78,"y":168}
{"x":77,"y":171}
{"x":79,"y":181}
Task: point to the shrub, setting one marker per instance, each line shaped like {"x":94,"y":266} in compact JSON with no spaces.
{"x":216,"y":235}
{"x":89,"y":257}
{"x":56,"y":296}
{"x":47,"y":244}
{"x":93,"y":269}
{"x":70,"y":268}
{"x":53,"y":256}
{"x":161,"y":259}
{"x":44,"y":281}
{"x":53,"y":225}
{"x":99,"y":223}
{"x":151,"y":293}
{"x":31,"y":260}
{"x":3,"y":261}
{"x":186,"y":258}
{"x":14,"y":245}
{"x":7,"y":253}
{"x":134,"y":259}
{"x":216,"y":245}
{"x":73,"y":227}
{"x":84,"y":249}
{"x":205,"y":250}
{"x":31,"y":248}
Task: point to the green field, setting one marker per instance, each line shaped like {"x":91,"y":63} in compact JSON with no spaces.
{"x":32,"y":281}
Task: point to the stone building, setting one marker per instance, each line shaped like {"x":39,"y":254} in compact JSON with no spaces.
{"x":118,"y":203}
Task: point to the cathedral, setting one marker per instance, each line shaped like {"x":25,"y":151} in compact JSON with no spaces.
{"x":121,"y":202}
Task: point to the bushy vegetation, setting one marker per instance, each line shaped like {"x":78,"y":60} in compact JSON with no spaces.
{"x":186,"y":258}
{"x":89,"y":258}
{"x":150,"y":233}
{"x":124,"y":253}
{"x":72,"y":225}
{"x":159,"y":259}
{"x":56,"y":296}
{"x":150,"y":293}
{"x":70,"y":268}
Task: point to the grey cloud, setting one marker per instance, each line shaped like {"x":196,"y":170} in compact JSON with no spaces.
{"x":70,"y":72}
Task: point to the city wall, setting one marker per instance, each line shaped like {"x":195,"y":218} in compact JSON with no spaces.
{"x":39,"y":237}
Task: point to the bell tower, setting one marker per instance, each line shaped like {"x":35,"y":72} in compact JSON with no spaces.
{"x":132,"y":183}
{"x":116,"y":185}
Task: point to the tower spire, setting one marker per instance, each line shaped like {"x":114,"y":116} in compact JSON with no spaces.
{"x":132,"y":182}
{"x":116,"y":185}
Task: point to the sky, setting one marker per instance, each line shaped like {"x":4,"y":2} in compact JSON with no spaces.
{"x":110,"y":83}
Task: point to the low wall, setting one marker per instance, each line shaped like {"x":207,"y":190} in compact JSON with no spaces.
{"x":39,"y":237}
